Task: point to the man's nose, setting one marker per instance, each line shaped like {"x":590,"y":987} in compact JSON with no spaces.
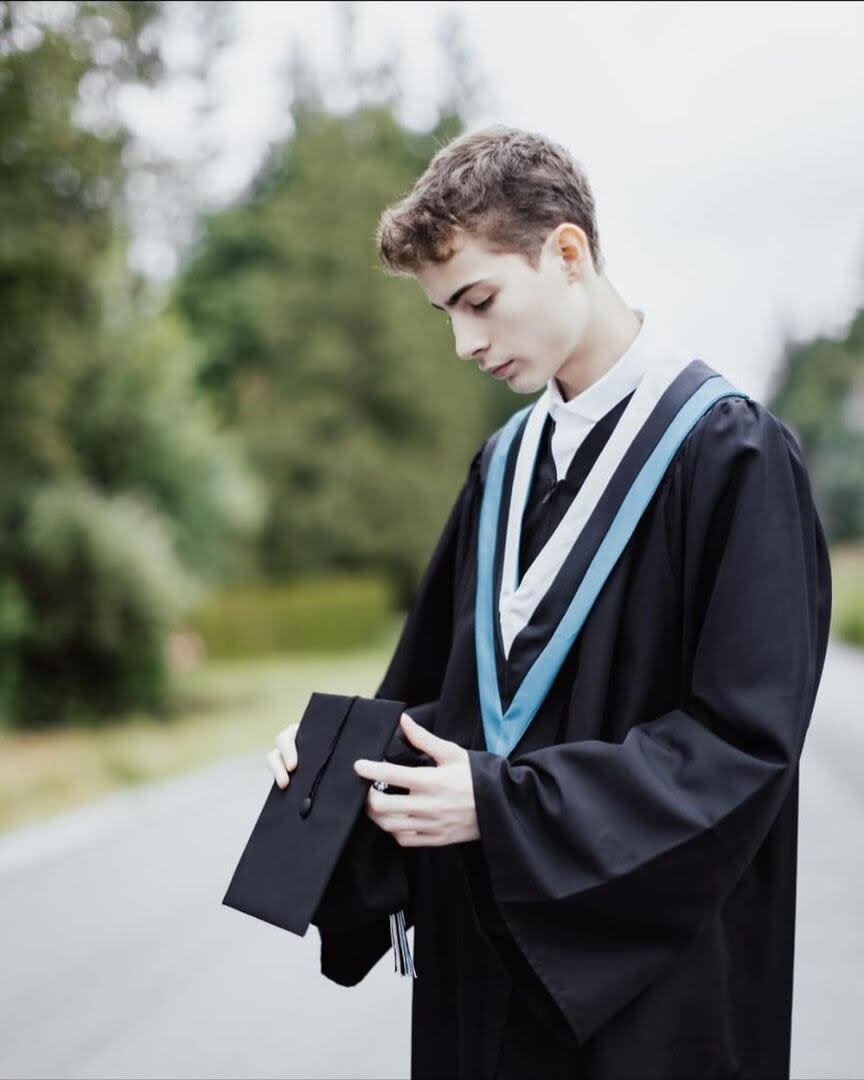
{"x":471,"y":348}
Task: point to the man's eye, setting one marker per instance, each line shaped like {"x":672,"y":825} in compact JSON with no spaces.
{"x":484,"y":305}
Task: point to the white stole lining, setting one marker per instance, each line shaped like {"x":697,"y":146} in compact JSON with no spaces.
{"x":517,"y":605}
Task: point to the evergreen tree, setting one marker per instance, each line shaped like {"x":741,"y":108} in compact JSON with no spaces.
{"x":344,"y":381}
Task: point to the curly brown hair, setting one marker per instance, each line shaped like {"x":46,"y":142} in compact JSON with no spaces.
{"x":506,"y":186}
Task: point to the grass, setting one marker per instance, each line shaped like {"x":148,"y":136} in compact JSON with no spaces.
{"x":227,"y":708}
{"x":336,"y":612}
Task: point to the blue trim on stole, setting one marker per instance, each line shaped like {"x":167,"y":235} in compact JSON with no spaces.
{"x":503,"y":731}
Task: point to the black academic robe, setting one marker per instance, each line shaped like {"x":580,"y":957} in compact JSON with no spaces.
{"x":628,"y":912}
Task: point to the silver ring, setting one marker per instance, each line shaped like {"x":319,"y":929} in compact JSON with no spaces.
{"x":380,"y":785}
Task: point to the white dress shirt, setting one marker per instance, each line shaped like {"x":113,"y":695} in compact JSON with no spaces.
{"x":574,"y":419}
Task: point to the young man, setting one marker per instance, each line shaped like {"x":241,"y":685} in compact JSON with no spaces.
{"x":612,"y":658}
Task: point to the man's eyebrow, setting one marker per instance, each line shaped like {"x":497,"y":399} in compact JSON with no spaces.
{"x":454,"y":299}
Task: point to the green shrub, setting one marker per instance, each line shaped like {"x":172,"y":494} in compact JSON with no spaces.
{"x":847,"y":608}
{"x":850,"y":626}
{"x":316,"y":615}
{"x":98,"y":586}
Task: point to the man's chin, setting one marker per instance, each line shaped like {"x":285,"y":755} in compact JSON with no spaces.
{"x":522,"y":382}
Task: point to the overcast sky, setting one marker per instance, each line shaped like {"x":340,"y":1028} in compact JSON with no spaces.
{"x":723,"y":142}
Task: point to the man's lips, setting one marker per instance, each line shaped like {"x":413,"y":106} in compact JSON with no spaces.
{"x":500,"y":371}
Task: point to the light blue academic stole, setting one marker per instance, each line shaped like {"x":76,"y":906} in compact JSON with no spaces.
{"x":663,"y":409}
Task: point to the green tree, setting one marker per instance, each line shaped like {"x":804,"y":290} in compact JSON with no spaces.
{"x":343,"y":380}
{"x":819,"y":391}
{"x":118,"y":493}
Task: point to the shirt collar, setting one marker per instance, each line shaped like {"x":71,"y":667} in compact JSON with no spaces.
{"x":613,"y":386}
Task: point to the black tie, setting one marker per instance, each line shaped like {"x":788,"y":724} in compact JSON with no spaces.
{"x":553,"y":487}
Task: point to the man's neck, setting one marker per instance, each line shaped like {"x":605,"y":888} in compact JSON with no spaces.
{"x":609,"y":336}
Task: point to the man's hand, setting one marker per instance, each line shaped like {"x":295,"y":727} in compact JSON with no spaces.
{"x":283,"y":759}
{"x":439,"y":808}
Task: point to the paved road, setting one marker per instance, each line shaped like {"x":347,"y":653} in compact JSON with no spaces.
{"x":118,"y":959}
{"x":827,"y":1041}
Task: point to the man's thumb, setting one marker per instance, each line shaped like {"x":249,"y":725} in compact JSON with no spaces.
{"x":440,"y":750}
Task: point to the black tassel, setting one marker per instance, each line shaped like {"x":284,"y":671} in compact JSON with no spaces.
{"x":403,"y":961}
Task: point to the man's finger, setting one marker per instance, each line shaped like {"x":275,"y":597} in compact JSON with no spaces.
{"x":277,"y":767}
{"x":414,"y":778}
{"x":286,"y":741}
{"x":398,"y":823}
{"x":415,"y":838}
{"x":399,"y":804}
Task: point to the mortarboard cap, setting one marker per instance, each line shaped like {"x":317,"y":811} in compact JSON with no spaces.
{"x":296,"y":843}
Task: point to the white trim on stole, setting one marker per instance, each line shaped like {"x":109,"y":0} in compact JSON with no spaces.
{"x":517,"y":605}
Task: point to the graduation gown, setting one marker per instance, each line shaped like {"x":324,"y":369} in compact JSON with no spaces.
{"x":628,"y":912}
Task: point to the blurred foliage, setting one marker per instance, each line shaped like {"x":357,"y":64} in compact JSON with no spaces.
{"x":343,"y":381}
{"x":847,"y":610}
{"x":119,"y":496}
{"x":110,"y":560}
{"x":291,"y":384}
{"x":819,"y":393}
{"x":315,"y":615}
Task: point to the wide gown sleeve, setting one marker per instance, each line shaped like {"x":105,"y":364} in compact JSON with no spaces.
{"x":374,"y":875}
{"x":605,"y":858}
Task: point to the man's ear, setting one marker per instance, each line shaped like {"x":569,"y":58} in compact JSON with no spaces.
{"x":571,"y":248}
